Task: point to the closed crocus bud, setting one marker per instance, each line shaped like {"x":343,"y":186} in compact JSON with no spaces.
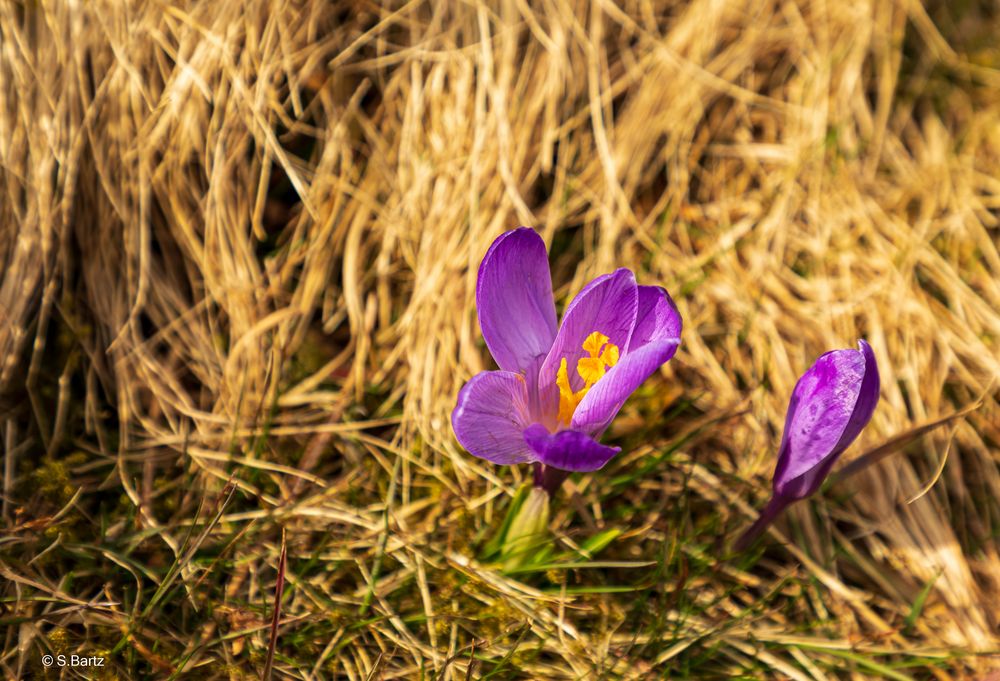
{"x":831,"y":404}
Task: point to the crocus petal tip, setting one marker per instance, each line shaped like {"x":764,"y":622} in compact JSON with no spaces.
{"x":514,"y":301}
{"x":568,"y":450}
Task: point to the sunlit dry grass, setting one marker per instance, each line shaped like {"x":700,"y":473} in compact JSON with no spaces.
{"x":239,"y":242}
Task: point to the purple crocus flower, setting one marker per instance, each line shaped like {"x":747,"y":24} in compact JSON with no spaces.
{"x":558,"y":388}
{"x":830,"y":406}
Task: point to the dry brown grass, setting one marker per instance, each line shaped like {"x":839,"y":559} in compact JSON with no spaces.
{"x":239,"y":242}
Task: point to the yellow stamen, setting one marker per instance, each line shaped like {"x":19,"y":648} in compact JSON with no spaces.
{"x":567,"y":398}
{"x":594,"y":343}
{"x":591,"y":369}
{"x":603,"y":356}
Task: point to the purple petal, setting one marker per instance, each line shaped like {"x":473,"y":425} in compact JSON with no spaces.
{"x":608,"y":304}
{"x":832,"y":402}
{"x":514,"y":299}
{"x":602,"y":402}
{"x":569,"y":450}
{"x":491,"y":415}
{"x":867,"y":399}
{"x":536,"y":412}
{"x":657,"y":318}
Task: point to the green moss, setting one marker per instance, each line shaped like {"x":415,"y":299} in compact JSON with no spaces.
{"x":52,"y":481}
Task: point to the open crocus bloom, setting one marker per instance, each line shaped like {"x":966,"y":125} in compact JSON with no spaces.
{"x":831,"y":404}
{"x":557,"y":389}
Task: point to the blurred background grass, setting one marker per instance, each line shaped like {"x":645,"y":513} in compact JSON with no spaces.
{"x":238,"y":244}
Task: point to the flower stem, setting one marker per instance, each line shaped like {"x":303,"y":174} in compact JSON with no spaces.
{"x":767,"y":516}
{"x":549,"y":478}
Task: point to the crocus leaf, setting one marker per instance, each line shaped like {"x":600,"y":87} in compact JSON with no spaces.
{"x":527,"y":539}
{"x":492,"y":548}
